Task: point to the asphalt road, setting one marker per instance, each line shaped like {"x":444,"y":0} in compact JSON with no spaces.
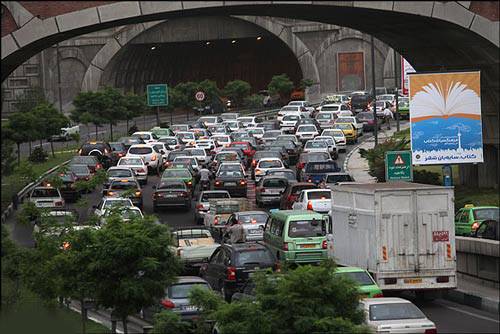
{"x":449,"y":317}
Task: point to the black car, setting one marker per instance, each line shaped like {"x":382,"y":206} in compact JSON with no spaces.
{"x":91,"y":161}
{"x":316,"y":172}
{"x":368,"y":120}
{"x":231,"y":266}
{"x":129,"y":141}
{"x":488,"y":229}
{"x":118,"y":150}
{"x":99,"y":149}
{"x":171,"y":193}
{"x":292,"y":149}
{"x":282,"y":149}
{"x":360,"y":102}
{"x":82,"y":172}
{"x":126,"y":188}
{"x":68,"y":189}
{"x":233,"y":181}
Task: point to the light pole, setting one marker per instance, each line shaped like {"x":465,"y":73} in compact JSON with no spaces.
{"x":396,"y":89}
{"x":59,"y":77}
{"x":374,"y":94}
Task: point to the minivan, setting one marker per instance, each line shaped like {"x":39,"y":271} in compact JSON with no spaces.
{"x":297,"y":236}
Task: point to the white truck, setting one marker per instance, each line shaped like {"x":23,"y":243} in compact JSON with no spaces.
{"x":66,"y":133}
{"x":402,"y":233}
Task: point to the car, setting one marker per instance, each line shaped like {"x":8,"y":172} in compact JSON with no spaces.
{"x":152,"y":157}
{"x":288,"y":122}
{"x":265,"y":165}
{"x":404,"y":107}
{"x":207,"y":144}
{"x":238,"y":134}
{"x":253,"y":223}
{"x":226,"y":156}
{"x":292,"y":192}
{"x":219,"y":129}
{"x":349,"y":131}
{"x":200,"y":154}
{"x":118,"y":173}
{"x":296,"y":236}
{"x":468,"y":218}
{"x":177,"y":300}
{"x":129,"y":141}
{"x":172,"y":143}
{"x":219,"y":212}
{"x":180,"y":174}
{"x":186,"y":138}
{"x":306,"y":106}
{"x":222,"y":140}
{"x":387,"y":97}
{"x":180,"y":127}
{"x":316,"y":146}
{"x":360,"y":102}
{"x":248,"y":149}
{"x":306,"y":157}
{"x":118,"y":150}
{"x":248,"y":121}
{"x":257,"y":133}
{"x":335,"y":108}
{"x":108,"y":203}
{"x":488,"y":229}
{"x":231,"y":166}
{"x":288,"y":174}
{"x":368,"y":120}
{"x":354,"y":121}
{"x":269,"y":189}
{"x":99,"y":149}
{"x":137,"y":165}
{"x":306,"y":132}
{"x":264,"y":154}
{"x":366,"y":285}
{"x":332,"y":146}
{"x":326,"y":119}
{"x":126,"y":214}
{"x":190,"y":159}
{"x":174,"y":154}
{"x":68,"y":188}
{"x":161,"y":132}
{"x":281,"y":149}
{"x":171,"y":193}
{"x":287,"y":110}
{"x":231,"y":265}
{"x":229,"y":116}
{"x":202,"y":205}
{"x":82,"y":172}
{"x":233,"y":125}
{"x":46,"y":197}
{"x":270,"y":136}
{"x":380,"y":107}
{"x":269,"y":125}
{"x":395,"y":315}
{"x":338,"y":135}
{"x":55,"y":222}
{"x":147,"y":136}
{"x":231,"y":180}
{"x":305,"y":121}
{"x":331,"y":179}
{"x":315,"y":171}
{"x":210,"y":120}
{"x":194,"y":245}
{"x":292,"y":150}
{"x":291,"y":137}
{"x":317,"y":200}
{"x":127,"y":189}
{"x":91,"y":161}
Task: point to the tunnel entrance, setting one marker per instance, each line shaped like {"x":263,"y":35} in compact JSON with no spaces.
{"x":252,"y":59}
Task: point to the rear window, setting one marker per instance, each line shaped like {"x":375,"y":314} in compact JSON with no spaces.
{"x":321,"y":167}
{"x":298,"y":189}
{"x":130,"y":162}
{"x":208,"y":196}
{"x":316,"y":144}
{"x":306,"y":228}
{"x":45,"y":193}
{"x":272,"y":134}
{"x":179,"y":185}
{"x":242,"y":146}
{"x":482,"y":214}
{"x":117,"y":147}
{"x":395,"y":311}
{"x":87,"y":148}
{"x":338,"y":178}
{"x":360,"y":277}
{"x":319,"y":195}
{"x":120,"y":173}
{"x":307,"y":128}
{"x":253,"y":218}
{"x":181,"y":291}
{"x":289,"y":175}
{"x":227,"y":157}
{"x":324,"y":116}
{"x":251,"y":256}
{"x":123,"y":185}
{"x":231,"y":173}
{"x":330,"y":108}
{"x":176,"y":173}
{"x":85,"y":160}
{"x":79,"y":169}
{"x":270,"y":164}
{"x":310,"y":157}
{"x":291,"y":118}
{"x":344,"y":126}
{"x":140,"y":150}
{"x":275,"y":183}
{"x":226,"y":208}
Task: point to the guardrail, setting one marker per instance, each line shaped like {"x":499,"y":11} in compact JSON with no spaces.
{"x":479,"y":258}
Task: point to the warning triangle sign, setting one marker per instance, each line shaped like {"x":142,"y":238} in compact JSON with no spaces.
{"x":399,"y":160}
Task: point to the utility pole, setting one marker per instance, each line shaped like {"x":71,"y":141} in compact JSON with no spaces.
{"x":374,"y":94}
{"x":396,"y":89}
{"x":59,"y":77}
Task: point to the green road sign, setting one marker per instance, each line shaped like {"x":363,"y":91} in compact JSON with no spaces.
{"x":398,"y":166}
{"x":157,"y":95}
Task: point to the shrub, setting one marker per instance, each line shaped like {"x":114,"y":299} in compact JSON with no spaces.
{"x":38,"y":155}
{"x":426,"y":177}
{"x":254,"y":101}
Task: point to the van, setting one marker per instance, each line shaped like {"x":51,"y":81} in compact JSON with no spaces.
{"x":297,"y":236}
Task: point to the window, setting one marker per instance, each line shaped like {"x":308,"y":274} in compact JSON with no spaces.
{"x":306,"y":228}
{"x":275,"y":183}
{"x":482,"y":214}
{"x":120,"y":173}
{"x":251,"y":256}
{"x":52,"y":192}
{"x":140,"y":150}
{"x":207,"y":196}
{"x":395,"y":311}
{"x":18,"y":82}
{"x":270,"y":164}
{"x":31,"y":69}
{"x":319,"y":195}
{"x":360,"y":277}
{"x":181,"y":291}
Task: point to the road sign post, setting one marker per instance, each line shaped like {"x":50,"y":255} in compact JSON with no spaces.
{"x":398,"y":166}
{"x":157,"y":97}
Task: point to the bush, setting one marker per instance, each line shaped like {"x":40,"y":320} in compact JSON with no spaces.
{"x":38,"y":155}
{"x":254,"y":101}
{"x":426,"y":177}
{"x":376,"y":156}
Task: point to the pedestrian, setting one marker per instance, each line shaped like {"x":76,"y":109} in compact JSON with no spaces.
{"x":388,"y":116}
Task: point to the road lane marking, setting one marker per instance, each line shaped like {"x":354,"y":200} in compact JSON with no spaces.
{"x":469,"y":313}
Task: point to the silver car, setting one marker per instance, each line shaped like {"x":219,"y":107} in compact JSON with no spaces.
{"x":253,"y":223}
{"x":203,"y":204}
{"x":269,"y":190}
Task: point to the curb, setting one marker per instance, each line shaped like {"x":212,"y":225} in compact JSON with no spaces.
{"x":477,"y":302}
{"x":348,"y":156}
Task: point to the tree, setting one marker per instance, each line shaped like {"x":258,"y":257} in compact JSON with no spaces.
{"x":135,"y":105}
{"x":48,"y":122}
{"x":21,"y":127}
{"x":376,"y":156}
{"x":237,"y":90}
{"x":88,"y":106}
{"x":305,"y":83}
{"x":114,"y":107}
{"x":7,"y":150}
{"x":282,"y":85}
{"x":254,"y":101}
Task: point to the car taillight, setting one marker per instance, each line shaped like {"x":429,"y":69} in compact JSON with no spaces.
{"x":199,"y":206}
{"x":98,"y":166}
{"x":121,"y":154}
{"x":309,"y":205}
{"x":443,"y":279}
{"x":59,"y":203}
{"x":431,"y":331}
{"x":137,"y":193}
{"x":216,"y":221}
{"x":167,"y":303}
{"x":300,"y":165}
{"x":231,"y":274}
{"x":218,"y":183}
{"x":324,"y":245}
{"x":285,"y":246}
{"x":388,"y":281}
{"x":153,"y":157}
{"x":110,"y":193}
{"x":309,"y":180}
{"x":378,"y":295}
{"x":475,"y":225}
{"x":243,"y":182}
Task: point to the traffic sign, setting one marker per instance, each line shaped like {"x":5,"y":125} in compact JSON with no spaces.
{"x":199,"y":96}
{"x":157,"y":95}
{"x":398,"y":166}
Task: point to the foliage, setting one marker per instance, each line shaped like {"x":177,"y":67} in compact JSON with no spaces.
{"x":27,"y":101}
{"x":376,"y":156}
{"x":168,"y":322}
{"x":477,"y":196}
{"x":304,"y":83}
{"x":38,"y":155}
{"x":21,"y":128}
{"x":88,"y":106}
{"x":253,"y":101}
{"x":135,"y":105}
{"x":237,"y":90}
{"x":282,"y":85}
{"x":25,"y":171}
{"x":8,"y":158}
{"x":48,"y":120}
{"x":426,"y":177}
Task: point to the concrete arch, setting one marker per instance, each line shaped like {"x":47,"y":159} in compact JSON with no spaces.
{"x":94,"y":73}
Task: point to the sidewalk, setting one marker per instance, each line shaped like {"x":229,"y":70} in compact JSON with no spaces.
{"x":470,"y":291}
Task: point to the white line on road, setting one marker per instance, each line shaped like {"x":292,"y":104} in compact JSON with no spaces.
{"x":469,"y":313}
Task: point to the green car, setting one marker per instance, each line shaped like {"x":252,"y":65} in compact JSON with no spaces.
{"x":176,"y":174}
{"x":297,"y":236}
{"x":162,"y":132}
{"x":468,"y":218}
{"x":404,"y":107}
{"x":367,"y":286}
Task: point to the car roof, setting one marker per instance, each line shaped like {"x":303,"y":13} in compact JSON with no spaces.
{"x":301,"y":214}
{"x":384,"y":300}
{"x":250,"y":212}
{"x":246,"y":245}
{"x":349,"y":270}
{"x":189,"y":279}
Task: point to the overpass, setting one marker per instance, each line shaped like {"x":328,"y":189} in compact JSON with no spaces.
{"x":432,"y":36}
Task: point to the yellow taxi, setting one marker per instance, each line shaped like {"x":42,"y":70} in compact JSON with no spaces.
{"x":350,"y":133}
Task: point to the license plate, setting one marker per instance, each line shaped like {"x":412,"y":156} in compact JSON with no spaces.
{"x":308,"y":246}
{"x":190,"y":308}
{"x":413,"y":280}
{"x":253,"y":231}
{"x":230,"y":183}
{"x":170,"y":195}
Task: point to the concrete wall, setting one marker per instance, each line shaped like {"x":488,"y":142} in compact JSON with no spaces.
{"x":479,"y":258}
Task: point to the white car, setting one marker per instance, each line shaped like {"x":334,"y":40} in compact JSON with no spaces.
{"x":256,"y":132}
{"x":318,"y":200}
{"x":229,"y":116}
{"x":180,"y":127}
{"x":172,"y":143}
{"x":46,"y":197}
{"x":109,"y":202}
{"x":210,"y":120}
{"x":339,"y":137}
{"x":162,"y":149}
{"x":127,"y":213}
{"x":231,"y":166}
{"x":306,"y":132}
{"x":233,"y":125}
{"x":335,"y":98}
{"x":304,"y":104}
{"x":354,"y":121}
{"x":326,"y":119}
{"x":222,"y":140}
{"x":200,"y":154}
{"x":395,"y":315}
{"x":206,"y":144}
{"x":186,"y":137}
{"x":391,"y":98}
{"x":315,"y":146}
{"x":288,"y":122}
{"x":381,"y":106}
{"x":345,"y":113}
{"x":137,"y":165}
{"x":192,"y":160}
{"x":266,"y":164}
{"x":297,"y":110}
{"x":332,"y":146}
{"x":248,"y":121}
{"x":152,"y":157}
{"x":334,"y":107}
{"x":147,"y":136}
{"x":270,"y":136}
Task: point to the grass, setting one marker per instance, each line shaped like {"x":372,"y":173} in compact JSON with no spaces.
{"x":30,"y":315}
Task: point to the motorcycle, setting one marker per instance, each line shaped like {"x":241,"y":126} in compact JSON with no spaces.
{"x":205,"y":185}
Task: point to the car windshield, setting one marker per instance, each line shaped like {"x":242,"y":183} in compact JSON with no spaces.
{"x":221,"y":139}
{"x":395,"y":311}
{"x":172,"y":185}
{"x":291,"y":118}
{"x":120,"y":173}
{"x":306,"y":128}
{"x":256,"y":131}
{"x":47,"y":192}
{"x":329,"y":141}
{"x":274,"y":183}
{"x":344,"y":126}
{"x":186,"y":135}
{"x":79,"y":169}
{"x":253,"y":218}
{"x":253,"y":256}
{"x":245,"y":119}
{"x":140,"y":150}
{"x":295,"y":103}
{"x":321,"y":167}
{"x":183,"y":159}
{"x":338,"y":178}
{"x":310,"y":157}
{"x":141,"y":135}
{"x":242,"y":146}
{"x":222,"y":208}
{"x":385,"y":97}
{"x":198,"y":151}
{"x":380,"y":104}
{"x":116,"y":146}
{"x":209,"y":195}
{"x":229,"y":116}
{"x":168,"y":173}
{"x":289,"y":175}
{"x":483,"y":214}
{"x":181,"y":291}
{"x":118,"y":202}
{"x":227,"y":166}
{"x":319,"y":195}
{"x":306,"y":228}
{"x":324,"y":116}
{"x":208,"y":119}
{"x":227,"y":157}
{"x":130,"y":162}
{"x":288,"y":144}
{"x":270,"y":164}
{"x":330,"y":108}
{"x":360,"y":277}
{"x":230,"y":173}
{"x":272,"y":134}
{"x":169,"y":141}
{"x":344,"y":120}
{"x":316,"y":144}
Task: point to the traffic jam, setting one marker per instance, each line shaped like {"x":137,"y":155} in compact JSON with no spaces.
{"x":242,"y":194}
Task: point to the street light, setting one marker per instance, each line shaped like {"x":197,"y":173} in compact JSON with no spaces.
{"x":207,"y":43}
{"x":259,"y":38}
{"x":233,"y":41}
{"x":153,"y":47}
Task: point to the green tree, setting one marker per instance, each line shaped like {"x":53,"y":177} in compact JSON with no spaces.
{"x":135,"y":105}
{"x":376,"y":156}
{"x":48,"y":122}
{"x":254,"y":101}
{"x":20,"y":129}
{"x":28,"y":100}
{"x":88,"y":107}
{"x":282,"y":85}
{"x":114,"y":107}
{"x":305,"y":83}
{"x":7,"y":150}
{"x":237,"y":90}
{"x":211,"y":90}
{"x":183,"y":95}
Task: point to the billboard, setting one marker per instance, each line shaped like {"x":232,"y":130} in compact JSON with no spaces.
{"x":445,"y":117}
{"x":405,"y":69}
{"x":351,"y":71}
